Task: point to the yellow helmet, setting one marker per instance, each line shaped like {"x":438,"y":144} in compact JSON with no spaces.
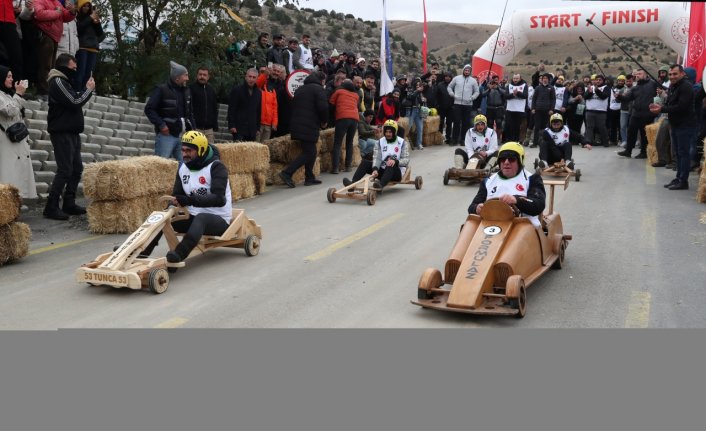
{"x":515,"y":147}
{"x":480,"y":118}
{"x":433,"y":112}
{"x":556,"y":117}
{"x":620,"y":78}
{"x":196,"y":140}
{"x":390,"y":123}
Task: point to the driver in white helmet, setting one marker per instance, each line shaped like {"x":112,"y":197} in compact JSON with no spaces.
{"x":513,"y":185}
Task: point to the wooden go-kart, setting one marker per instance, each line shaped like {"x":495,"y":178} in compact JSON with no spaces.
{"x":558,"y":169}
{"x":497,"y":255}
{"x":472,"y":173}
{"x":363,"y":189}
{"x":125,"y":268}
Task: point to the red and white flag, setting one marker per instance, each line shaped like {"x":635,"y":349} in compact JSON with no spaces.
{"x":695,"y":55}
{"x":424,"y":38}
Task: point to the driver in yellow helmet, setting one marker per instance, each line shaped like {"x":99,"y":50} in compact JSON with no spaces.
{"x":556,"y":143}
{"x":202,"y":187}
{"x":513,"y":184}
{"x":481,"y":141}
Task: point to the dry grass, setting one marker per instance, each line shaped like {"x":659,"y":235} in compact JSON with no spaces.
{"x":298,"y":177}
{"x":242,"y":186}
{"x":121,"y":216}
{"x":14,"y":242}
{"x":702,"y":220}
{"x":701,"y":192}
{"x":260,"y":182}
{"x":129,"y":179}
{"x":651,"y":131}
{"x":283,"y":149}
{"x":244,"y":157}
{"x":10,"y":203}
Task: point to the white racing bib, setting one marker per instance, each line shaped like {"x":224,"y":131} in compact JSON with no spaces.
{"x":517,"y":186}
{"x":595,"y":103}
{"x":559,"y":97}
{"x":516,"y":105}
{"x":561,"y":137}
{"x":488,"y":141}
{"x":391,"y":149}
{"x":199,"y":183}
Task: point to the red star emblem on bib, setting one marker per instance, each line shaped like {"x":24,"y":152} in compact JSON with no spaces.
{"x":566,"y":135}
{"x":202,"y":180}
{"x":520,"y":188}
{"x":397,"y":149}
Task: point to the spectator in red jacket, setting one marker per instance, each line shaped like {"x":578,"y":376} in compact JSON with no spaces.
{"x":268,"y":113}
{"x":346,"y":100}
{"x":10,"y":39}
{"x":49,"y":17}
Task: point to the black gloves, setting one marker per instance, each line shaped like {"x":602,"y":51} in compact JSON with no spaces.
{"x":183,"y":200}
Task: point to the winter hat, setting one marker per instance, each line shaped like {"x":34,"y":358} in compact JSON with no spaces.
{"x":80,"y":3}
{"x":467,"y":66}
{"x":176,"y":70}
{"x":335,"y":53}
{"x":690,"y":73}
{"x":361,"y":59}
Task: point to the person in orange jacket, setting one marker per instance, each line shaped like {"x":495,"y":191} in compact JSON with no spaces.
{"x":267,"y":82}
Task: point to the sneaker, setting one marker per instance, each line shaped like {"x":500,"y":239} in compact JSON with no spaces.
{"x":671,"y":183}
{"x":533,"y":145}
{"x":55,"y":214}
{"x":670,"y":166}
{"x":624,"y":153}
{"x":679,"y":186}
{"x":287,"y":179}
{"x":641,"y":156}
{"x":312,"y":182}
{"x":542,"y":164}
{"x":658,"y":164}
{"x":334,"y":171}
{"x":570,"y":165}
{"x":377,"y":185}
{"x":347,"y":169}
{"x":347,"y":182}
{"x":74,"y":209}
{"x":173,"y":257}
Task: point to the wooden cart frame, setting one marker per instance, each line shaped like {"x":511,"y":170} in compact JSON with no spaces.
{"x":497,"y":255}
{"x":471,"y":173}
{"x":558,"y":169}
{"x":125,"y":268}
{"x":363,"y":189}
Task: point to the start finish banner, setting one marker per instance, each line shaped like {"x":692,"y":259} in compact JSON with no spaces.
{"x":665,"y":20}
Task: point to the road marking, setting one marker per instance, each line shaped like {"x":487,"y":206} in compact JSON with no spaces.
{"x":638,"y":310}
{"x":648,"y":232}
{"x":650,"y":175}
{"x":353,"y":238}
{"x":63,"y":244}
{"x":172,"y":323}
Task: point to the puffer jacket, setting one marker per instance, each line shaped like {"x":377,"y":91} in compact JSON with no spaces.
{"x":69,"y":39}
{"x":346,"y":99}
{"x":641,"y":94}
{"x":309,"y":110}
{"x":268,"y":114}
{"x":464,"y":90}
{"x":49,"y":20}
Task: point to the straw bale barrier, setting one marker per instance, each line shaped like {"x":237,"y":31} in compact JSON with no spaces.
{"x":244,"y":157}
{"x":10,"y":203}
{"x":326,"y":159}
{"x":130,"y":178}
{"x":283,"y":149}
{"x":326,"y":139}
{"x":404,"y":122}
{"x":122,"y":216}
{"x":651,"y":132}
{"x":701,"y":192}
{"x":702,"y":220}
{"x":260,"y":181}
{"x":14,"y":242}
{"x":298,"y":177}
{"x":242,"y":186}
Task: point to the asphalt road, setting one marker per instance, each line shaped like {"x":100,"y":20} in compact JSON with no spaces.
{"x":636,"y":260}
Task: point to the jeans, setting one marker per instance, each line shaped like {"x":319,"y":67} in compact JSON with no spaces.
{"x":167,"y":146}
{"x":416,"y":119}
{"x":624,"y":121}
{"x":86,"y":61}
{"x":347,"y":127}
{"x":682,"y":137}
{"x":366,"y":146}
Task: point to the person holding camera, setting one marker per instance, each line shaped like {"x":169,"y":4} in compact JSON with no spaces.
{"x":90,"y":35}
{"x":170,"y":110}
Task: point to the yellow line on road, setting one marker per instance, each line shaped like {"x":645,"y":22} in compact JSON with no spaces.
{"x":638,"y":310}
{"x":172,"y":323}
{"x":650,"y":175}
{"x":648,"y":232}
{"x":353,"y":238}
{"x":62,"y":245}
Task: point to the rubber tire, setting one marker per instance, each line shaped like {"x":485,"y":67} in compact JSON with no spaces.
{"x":330,"y":195}
{"x":446,"y":178}
{"x":158,"y":280}
{"x":371,"y":197}
{"x":418,"y":183}
{"x":252,"y":245}
{"x":516,"y":294}
{"x":536,"y":163}
{"x":578,"y":175}
{"x":559,"y":262}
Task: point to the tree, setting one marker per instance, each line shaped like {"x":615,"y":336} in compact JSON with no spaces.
{"x":299,"y":28}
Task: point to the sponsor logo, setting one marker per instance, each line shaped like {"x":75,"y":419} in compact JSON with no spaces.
{"x":202,"y":180}
{"x":519,"y":188}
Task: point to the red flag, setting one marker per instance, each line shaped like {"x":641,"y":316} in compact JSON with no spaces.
{"x":695,"y":53}
{"x":424,"y":38}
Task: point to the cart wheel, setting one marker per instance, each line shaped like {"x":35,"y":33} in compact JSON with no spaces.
{"x":536,"y":163}
{"x":430,"y":279}
{"x":252,"y":245}
{"x":330,"y":195}
{"x":158,"y":280}
{"x":578,"y":175}
{"x":559,"y":262}
{"x":418,"y":183}
{"x":516,"y":294}
{"x":446,"y":178}
{"x":372,"y":197}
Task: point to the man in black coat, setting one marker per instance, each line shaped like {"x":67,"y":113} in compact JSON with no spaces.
{"x":445,"y":102}
{"x":64,"y":123}
{"x":244,"y":108}
{"x":641,"y":95}
{"x":543,"y":103}
{"x":309,"y":114}
{"x":205,"y":104}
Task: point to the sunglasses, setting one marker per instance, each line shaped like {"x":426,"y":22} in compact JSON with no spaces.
{"x":508,"y":159}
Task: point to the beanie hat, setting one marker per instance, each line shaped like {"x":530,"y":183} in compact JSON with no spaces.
{"x":176,"y":70}
{"x":80,"y":3}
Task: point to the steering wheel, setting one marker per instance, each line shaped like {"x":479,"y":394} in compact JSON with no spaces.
{"x":515,"y":211}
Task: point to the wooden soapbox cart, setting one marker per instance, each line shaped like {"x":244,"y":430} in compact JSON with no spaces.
{"x":363,"y":189}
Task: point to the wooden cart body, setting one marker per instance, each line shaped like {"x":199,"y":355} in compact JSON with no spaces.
{"x":363,"y":189}
{"x":497,"y":255}
{"x":558,"y":169}
{"x":125,"y":268}
{"x":471,"y":174}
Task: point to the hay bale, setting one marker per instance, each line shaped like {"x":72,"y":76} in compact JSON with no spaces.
{"x":244,"y":157}
{"x":283,"y":149}
{"x":260,"y":179}
{"x":651,"y":132}
{"x":701,"y":192}
{"x":242,"y":186}
{"x":298,"y":177}
{"x":404,"y":122}
{"x":431,"y":123}
{"x":130,"y":178}
{"x":702,"y":220}
{"x":326,"y":140}
{"x":121,"y":216}
{"x":10,"y":203}
{"x":14,"y":242}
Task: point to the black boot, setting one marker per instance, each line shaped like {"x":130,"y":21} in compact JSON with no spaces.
{"x":52,"y":211}
{"x":71,"y":208}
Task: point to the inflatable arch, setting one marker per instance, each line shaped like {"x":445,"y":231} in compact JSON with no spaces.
{"x":668,"y":21}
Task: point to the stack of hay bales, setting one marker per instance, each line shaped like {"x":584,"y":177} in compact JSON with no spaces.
{"x":404,"y":122}
{"x":701,"y":193}
{"x":432,"y":136}
{"x":283,"y":150}
{"x":14,"y":236}
{"x":651,"y":131}
{"x":325,"y":150}
{"x":248,"y":165}
{"x":125,"y":192}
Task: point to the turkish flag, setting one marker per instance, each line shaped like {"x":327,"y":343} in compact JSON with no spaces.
{"x":695,"y":55}
{"x":424,"y":38}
